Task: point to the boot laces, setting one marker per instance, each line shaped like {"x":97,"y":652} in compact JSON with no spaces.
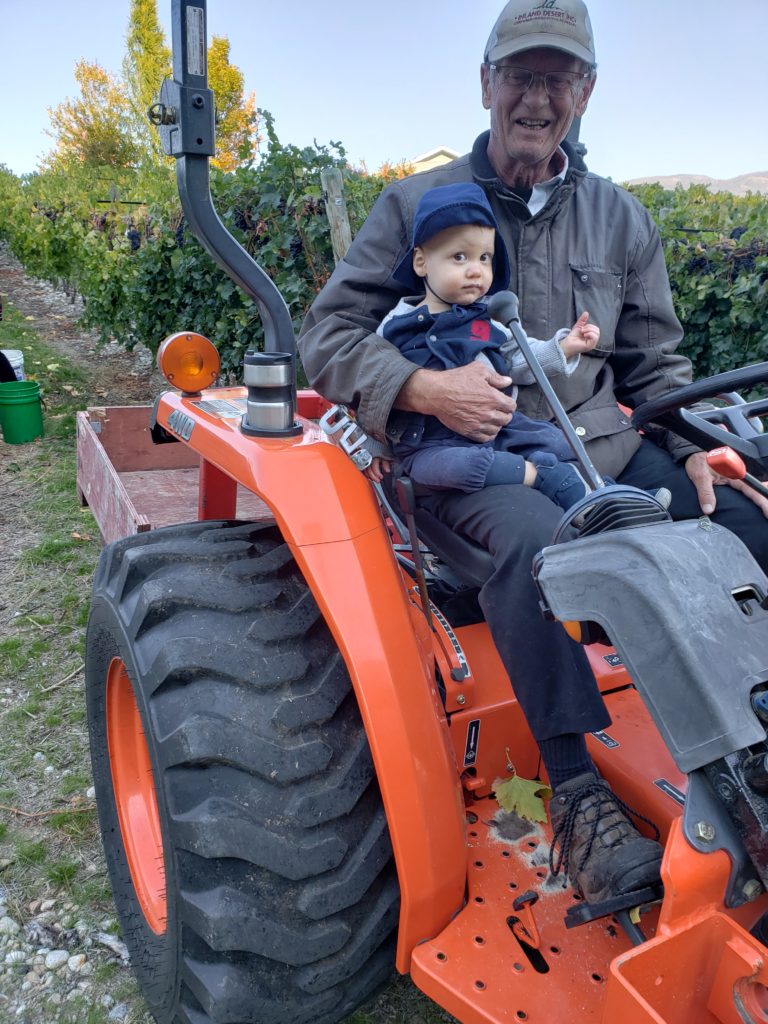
{"x":562,"y":835}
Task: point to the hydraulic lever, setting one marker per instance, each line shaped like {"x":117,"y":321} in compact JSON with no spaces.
{"x":407,"y":500}
{"x":504,"y":306}
{"x":730,"y":464}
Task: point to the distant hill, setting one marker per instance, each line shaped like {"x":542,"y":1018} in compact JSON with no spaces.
{"x":757,"y":181}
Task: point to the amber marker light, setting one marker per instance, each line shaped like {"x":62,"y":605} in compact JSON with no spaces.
{"x":574,"y":631}
{"x":188,"y":361}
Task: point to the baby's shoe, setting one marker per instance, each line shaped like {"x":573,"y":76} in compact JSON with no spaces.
{"x":561,"y":482}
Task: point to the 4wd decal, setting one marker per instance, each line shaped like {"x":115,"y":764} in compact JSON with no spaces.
{"x":181,"y":424}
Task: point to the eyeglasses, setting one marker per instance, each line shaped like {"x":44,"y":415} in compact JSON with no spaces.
{"x":557,"y":83}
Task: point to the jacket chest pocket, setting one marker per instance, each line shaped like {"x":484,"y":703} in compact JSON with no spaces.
{"x":600,"y":293}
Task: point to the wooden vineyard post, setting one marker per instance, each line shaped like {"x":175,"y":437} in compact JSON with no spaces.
{"x":336,"y":208}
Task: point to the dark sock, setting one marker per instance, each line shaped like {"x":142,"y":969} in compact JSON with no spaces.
{"x":565,"y":757}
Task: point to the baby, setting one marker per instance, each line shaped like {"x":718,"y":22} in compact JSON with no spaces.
{"x":457,"y":258}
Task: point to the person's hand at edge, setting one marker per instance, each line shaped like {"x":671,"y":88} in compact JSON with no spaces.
{"x":705,"y":480}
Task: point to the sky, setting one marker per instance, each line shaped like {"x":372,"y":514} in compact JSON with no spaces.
{"x":682,"y":84}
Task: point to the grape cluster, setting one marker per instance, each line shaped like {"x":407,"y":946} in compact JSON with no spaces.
{"x":725,"y":257}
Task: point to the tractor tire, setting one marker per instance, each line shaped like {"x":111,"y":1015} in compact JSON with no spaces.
{"x":242,"y":822}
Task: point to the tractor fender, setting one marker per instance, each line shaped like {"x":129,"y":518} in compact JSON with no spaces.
{"x":329,"y":517}
{"x":353,"y":575}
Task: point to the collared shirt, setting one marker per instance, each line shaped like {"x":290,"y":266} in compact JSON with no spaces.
{"x":542,"y":190}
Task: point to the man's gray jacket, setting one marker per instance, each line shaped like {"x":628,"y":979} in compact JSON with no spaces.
{"x":592,"y":247}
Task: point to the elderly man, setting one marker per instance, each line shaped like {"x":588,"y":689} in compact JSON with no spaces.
{"x":576,"y":242}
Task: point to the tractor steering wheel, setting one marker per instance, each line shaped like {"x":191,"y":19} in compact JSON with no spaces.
{"x":710,"y":427}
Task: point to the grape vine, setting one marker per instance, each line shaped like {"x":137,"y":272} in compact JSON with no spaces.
{"x":122,"y":243}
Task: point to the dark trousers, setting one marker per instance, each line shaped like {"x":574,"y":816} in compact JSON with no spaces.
{"x":550,"y":673}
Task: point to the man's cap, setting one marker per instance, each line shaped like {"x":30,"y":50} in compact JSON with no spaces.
{"x":450,"y":206}
{"x":527,"y":24}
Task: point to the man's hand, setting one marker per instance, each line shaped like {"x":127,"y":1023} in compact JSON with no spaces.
{"x":467,"y":399}
{"x":705,"y":480}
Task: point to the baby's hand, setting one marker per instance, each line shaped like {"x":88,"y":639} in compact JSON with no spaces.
{"x":375,"y":472}
{"x":582,"y":337}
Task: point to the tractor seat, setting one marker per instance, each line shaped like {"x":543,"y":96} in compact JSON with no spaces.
{"x":470,"y":562}
{"x":614,"y":507}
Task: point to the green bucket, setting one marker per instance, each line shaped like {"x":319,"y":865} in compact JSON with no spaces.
{"x":21,"y":415}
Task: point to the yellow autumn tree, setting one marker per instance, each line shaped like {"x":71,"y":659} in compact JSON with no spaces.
{"x":94,"y":128}
{"x":393,"y":172}
{"x":107,"y":124}
{"x":147,"y":62}
{"x":236,"y":117}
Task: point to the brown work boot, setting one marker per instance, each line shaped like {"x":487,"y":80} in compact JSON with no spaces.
{"x":598,"y":847}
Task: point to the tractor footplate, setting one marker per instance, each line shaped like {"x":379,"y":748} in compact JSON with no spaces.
{"x":584,"y":912}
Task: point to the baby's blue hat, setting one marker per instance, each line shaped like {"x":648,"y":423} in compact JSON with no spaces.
{"x":448,"y":206}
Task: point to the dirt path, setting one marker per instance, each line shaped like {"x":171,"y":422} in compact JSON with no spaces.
{"x":115,"y":377}
{"x":118,"y":377}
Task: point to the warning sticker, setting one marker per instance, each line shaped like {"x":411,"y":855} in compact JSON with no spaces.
{"x":222,"y":407}
{"x":613,"y":660}
{"x":473,"y":740}
{"x":606,"y":740}
{"x":670,"y":790}
{"x":195,"y":41}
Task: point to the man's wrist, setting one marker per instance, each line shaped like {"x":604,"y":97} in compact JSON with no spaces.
{"x":416,"y":394}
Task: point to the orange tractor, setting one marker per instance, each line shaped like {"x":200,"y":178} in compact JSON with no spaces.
{"x":297,"y":722}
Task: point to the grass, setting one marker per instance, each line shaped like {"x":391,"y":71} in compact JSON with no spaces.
{"x":30,"y":852}
{"x":13,"y":655}
{"x":81,"y":1011}
{"x":63,"y":873}
{"x":94,"y":890}
{"x":75,"y":783}
{"x":56,"y":373}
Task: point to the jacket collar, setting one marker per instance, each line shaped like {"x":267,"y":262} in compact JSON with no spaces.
{"x":416,"y":308}
{"x":484,"y":174}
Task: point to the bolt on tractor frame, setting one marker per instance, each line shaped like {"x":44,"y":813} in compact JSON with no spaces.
{"x":296,"y":724}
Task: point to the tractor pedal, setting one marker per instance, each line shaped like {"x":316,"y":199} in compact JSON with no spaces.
{"x":619,"y":907}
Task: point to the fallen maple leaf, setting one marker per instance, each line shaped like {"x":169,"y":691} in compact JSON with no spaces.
{"x":523,"y":796}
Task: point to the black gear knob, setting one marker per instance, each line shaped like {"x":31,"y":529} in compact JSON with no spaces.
{"x":503,"y":306}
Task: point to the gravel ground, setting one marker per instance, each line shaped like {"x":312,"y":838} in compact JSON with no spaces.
{"x":50,"y":960}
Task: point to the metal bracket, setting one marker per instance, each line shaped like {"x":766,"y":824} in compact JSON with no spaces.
{"x":707,"y":827}
{"x":352,"y":440}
